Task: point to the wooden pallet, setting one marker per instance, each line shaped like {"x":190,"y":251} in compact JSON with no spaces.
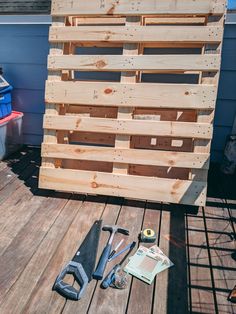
{"x":130,"y":97}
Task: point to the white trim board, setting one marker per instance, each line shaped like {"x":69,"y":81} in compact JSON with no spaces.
{"x":47,"y":20}
{"x":25,"y":19}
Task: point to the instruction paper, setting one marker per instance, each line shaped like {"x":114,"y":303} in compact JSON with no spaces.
{"x":146,"y":263}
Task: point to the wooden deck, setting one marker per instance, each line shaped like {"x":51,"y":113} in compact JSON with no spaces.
{"x":41,"y":230}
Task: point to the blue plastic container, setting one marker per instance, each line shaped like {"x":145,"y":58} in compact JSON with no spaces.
{"x":5,"y":97}
{"x":5,"y":102}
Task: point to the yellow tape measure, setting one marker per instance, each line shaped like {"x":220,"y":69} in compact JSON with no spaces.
{"x":148,"y":235}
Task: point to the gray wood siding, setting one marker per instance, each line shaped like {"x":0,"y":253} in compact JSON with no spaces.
{"x":24,"y":57}
{"x":226,"y":100}
{"x":25,"y":6}
{"x":24,"y":60}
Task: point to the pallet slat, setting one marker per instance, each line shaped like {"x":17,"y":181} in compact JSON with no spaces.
{"x":136,"y":7}
{"x":174,"y":20}
{"x":129,"y":127}
{"x":136,"y":95}
{"x":151,"y":63}
{"x":153,"y":189}
{"x":134,"y":34}
{"x":124,"y":155}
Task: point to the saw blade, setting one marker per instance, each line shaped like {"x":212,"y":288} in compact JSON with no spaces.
{"x":87,"y":252}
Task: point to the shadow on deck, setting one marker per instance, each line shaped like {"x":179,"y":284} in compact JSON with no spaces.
{"x":199,"y":241}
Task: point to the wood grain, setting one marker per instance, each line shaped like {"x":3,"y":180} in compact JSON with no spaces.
{"x":128,"y":127}
{"x":134,"y":34}
{"x":115,"y":300}
{"x":151,"y":188}
{"x":53,"y":303}
{"x":19,"y":295}
{"x":110,"y":216}
{"x":151,"y":63}
{"x":132,"y":95}
{"x":24,"y":246}
{"x":126,"y":155}
{"x":125,"y":7}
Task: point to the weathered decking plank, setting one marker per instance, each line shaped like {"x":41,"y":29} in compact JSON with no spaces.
{"x":140,"y":291}
{"x":22,"y":248}
{"x":201,"y":289}
{"x":91,"y":210}
{"x":19,"y":295}
{"x":50,"y":234}
{"x":109,"y":217}
{"x":221,"y":246}
{"x":116,"y":300}
{"x":170,"y":292}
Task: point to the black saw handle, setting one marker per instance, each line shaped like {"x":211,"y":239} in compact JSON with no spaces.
{"x":66,"y":290}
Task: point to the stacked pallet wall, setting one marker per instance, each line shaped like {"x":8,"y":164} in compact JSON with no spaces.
{"x":131,"y":137}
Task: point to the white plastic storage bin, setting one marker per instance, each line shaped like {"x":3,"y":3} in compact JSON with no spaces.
{"x":11,"y":137}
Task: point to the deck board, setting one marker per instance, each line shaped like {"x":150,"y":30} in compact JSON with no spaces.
{"x":19,"y":295}
{"x":130,"y":217}
{"x":89,"y":212}
{"x":221,"y":244}
{"x":109,"y":216}
{"x":201,"y":289}
{"x":40,"y":231}
{"x":139,"y":291}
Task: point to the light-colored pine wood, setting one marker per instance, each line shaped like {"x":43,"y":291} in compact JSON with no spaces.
{"x":207,"y":116}
{"x":128,"y":127}
{"x":129,"y":95}
{"x":174,"y":20}
{"x":136,"y":7}
{"x":151,"y":63}
{"x":134,"y":34}
{"x":142,"y":131}
{"x":99,"y":20}
{"x":154,"y":189}
{"x":50,"y":136}
{"x":121,"y":140}
{"x":126,"y":155}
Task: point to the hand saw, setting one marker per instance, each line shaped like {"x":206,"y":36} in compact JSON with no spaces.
{"x":81,"y":266}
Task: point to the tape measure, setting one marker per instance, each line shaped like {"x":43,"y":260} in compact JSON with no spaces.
{"x":148,"y":236}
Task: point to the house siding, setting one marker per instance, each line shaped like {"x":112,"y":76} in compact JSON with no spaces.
{"x":24,"y":57}
{"x":226,"y":100}
{"x":25,"y":6}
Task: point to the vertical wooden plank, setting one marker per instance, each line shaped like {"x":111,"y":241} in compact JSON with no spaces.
{"x":207,"y":116}
{"x":50,"y":136}
{"x":201,"y":290}
{"x":24,"y":246}
{"x":171,"y":284}
{"x":221,"y":248}
{"x":109,"y":217}
{"x":141,"y":294}
{"x":123,"y":141}
{"x":91,"y":210}
{"x":115,"y":300}
{"x":19,"y":295}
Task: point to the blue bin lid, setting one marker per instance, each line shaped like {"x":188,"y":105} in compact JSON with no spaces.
{"x":4,"y":86}
{"x":6,"y":89}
